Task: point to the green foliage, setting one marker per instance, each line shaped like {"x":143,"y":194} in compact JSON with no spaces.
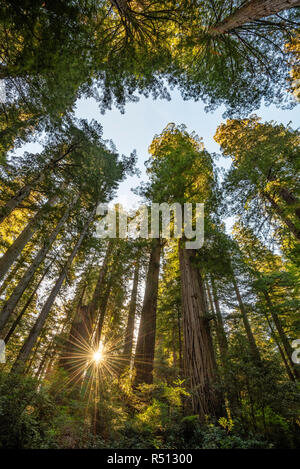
{"x":26,"y":413}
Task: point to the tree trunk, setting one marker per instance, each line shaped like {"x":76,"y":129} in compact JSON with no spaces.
{"x":278,"y":210}
{"x":24,"y":309}
{"x":14,"y":202}
{"x":44,"y":360}
{"x":252,"y":343}
{"x":82,"y":326}
{"x":253,"y":10}
{"x":24,"y":192}
{"x":93,"y":307}
{"x":199,"y":358}
{"x":230,"y":381}
{"x":39,"y":324}
{"x":122,"y":6}
{"x":11,"y":275}
{"x":285,"y":342}
{"x":144,"y":355}
{"x":18,"y":291}
{"x":290,"y":200}
{"x":221,"y":334}
{"x":127,"y":352}
{"x":102,"y":312}
{"x":281,"y":351}
{"x":181,"y":366}
{"x":18,"y":245}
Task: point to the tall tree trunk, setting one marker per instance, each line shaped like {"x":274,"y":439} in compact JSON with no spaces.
{"x":285,"y":342}
{"x":18,"y":245}
{"x":253,"y":10}
{"x":230,"y":381}
{"x":24,"y":309}
{"x":14,"y":202}
{"x":11,"y":275}
{"x":80,"y":335}
{"x":39,"y":324}
{"x":144,"y":355}
{"x":221,"y":334}
{"x":98,"y":291}
{"x":127,"y":352}
{"x":24,"y":192}
{"x":252,"y":343}
{"x":65,"y":360}
{"x":199,"y":358}
{"x":290,"y":200}
{"x":279,"y":211}
{"x":102,"y":312}
{"x":181,"y":366}
{"x":44,"y":360}
{"x":18,"y":291}
{"x":281,"y":351}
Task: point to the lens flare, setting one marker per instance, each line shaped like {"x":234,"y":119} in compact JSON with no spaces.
{"x":98,"y":356}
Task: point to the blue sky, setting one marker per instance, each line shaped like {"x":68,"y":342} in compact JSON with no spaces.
{"x":142,"y":120}
{"x":136,"y":128}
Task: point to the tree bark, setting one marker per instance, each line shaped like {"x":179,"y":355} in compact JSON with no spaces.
{"x":290,"y":200}
{"x":278,"y":210}
{"x":285,"y":342}
{"x":253,"y":10}
{"x":11,"y":275}
{"x":181,"y":366}
{"x":102,"y":312}
{"x":252,"y":343}
{"x":230,"y":381}
{"x":127,"y":352}
{"x":39,"y":324}
{"x":18,"y":245}
{"x":24,"y":309}
{"x":18,"y":291}
{"x":144,"y":355}
{"x":221,"y":334}
{"x":24,"y":192}
{"x":93,"y":306}
{"x":281,"y":351}
{"x":14,"y":202}
{"x":82,"y":326}
{"x":199,"y":358}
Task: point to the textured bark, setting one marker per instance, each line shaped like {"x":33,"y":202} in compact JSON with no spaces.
{"x":221,"y":334}
{"x":94,"y":305}
{"x":11,"y":275}
{"x":127,"y":352}
{"x":181,"y":366}
{"x":18,"y":245}
{"x":290,"y":200}
{"x":83,"y":323}
{"x":279,"y":211}
{"x":253,"y":10}
{"x":252,"y":343}
{"x":24,"y":192}
{"x":285,"y":342}
{"x":281,"y":351}
{"x":39,"y":324}
{"x":144,"y":355}
{"x":44,"y":360}
{"x":14,"y":202}
{"x":102,"y":312}
{"x":230,"y":381}
{"x":18,"y":291}
{"x":24,"y":309}
{"x":199,"y":359}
